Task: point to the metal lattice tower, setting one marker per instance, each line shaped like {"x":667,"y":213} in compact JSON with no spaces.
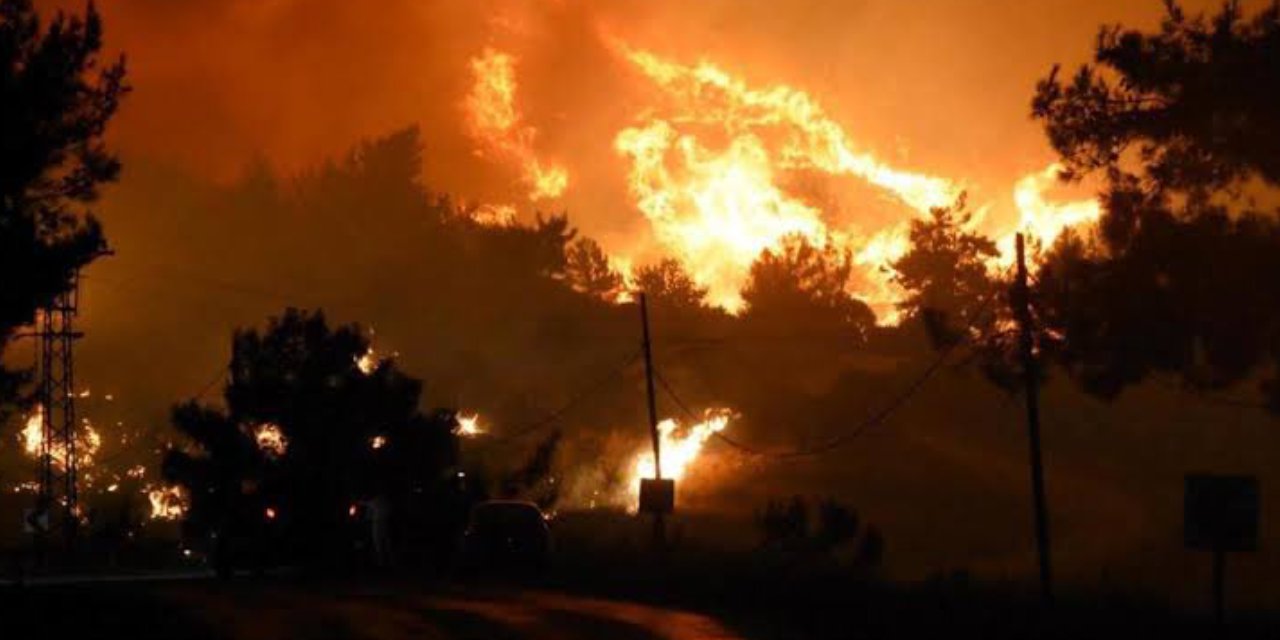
{"x":58,"y":457}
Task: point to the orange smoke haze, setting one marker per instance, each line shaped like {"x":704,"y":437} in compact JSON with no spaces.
{"x":853,"y":116}
{"x":218,"y":81}
{"x":706,"y":132}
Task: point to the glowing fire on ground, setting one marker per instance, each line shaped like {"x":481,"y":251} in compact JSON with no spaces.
{"x":496,"y":123}
{"x":367,"y":362}
{"x":680,"y":446}
{"x":495,"y":215}
{"x":468,"y":425}
{"x":271,"y":439}
{"x":167,"y":502}
{"x":32,"y":435}
{"x":87,"y":442}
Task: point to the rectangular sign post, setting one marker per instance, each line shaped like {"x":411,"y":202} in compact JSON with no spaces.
{"x":657,"y":496}
{"x":1220,"y":516}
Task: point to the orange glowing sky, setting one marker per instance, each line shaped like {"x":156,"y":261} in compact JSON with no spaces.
{"x":941,"y":86}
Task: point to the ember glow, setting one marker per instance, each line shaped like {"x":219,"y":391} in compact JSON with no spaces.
{"x":496,"y":124}
{"x":495,"y":215}
{"x":167,"y":502}
{"x":469,"y":425}
{"x":271,"y":440}
{"x":367,"y":362}
{"x":32,"y":435}
{"x":88,"y":442}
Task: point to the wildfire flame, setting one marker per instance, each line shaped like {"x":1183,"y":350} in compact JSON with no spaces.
{"x":717,"y":209}
{"x":367,"y":362}
{"x":32,"y":435}
{"x":709,"y":165}
{"x":495,"y":215}
{"x":495,"y":122}
{"x":468,"y":425}
{"x":271,"y":439}
{"x":88,"y":442}
{"x":1041,"y":219}
{"x":680,"y":446}
{"x":167,"y":502}
{"x":708,"y":172}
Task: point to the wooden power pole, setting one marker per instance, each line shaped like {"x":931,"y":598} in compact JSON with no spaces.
{"x":1021,"y":300}
{"x":659,"y":518}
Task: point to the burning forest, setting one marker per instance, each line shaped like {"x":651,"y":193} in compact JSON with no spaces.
{"x":810,"y":307}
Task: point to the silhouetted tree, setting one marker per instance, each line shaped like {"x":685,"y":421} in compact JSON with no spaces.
{"x":55,"y":103}
{"x":310,"y":431}
{"x":837,"y":524}
{"x":667,"y":284}
{"x":945,"y":276}
{"x":784,"y":523}
{"x":802,"y":288}
{"x":221,"y":471}
{"x":533,"y":480}
{"x":1197,"y":100}
{"x":588,"y":270}
{"x":1182,"y":125}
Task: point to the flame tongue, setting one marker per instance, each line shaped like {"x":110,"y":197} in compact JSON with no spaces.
{"x":718,"y":209}
{"x":496,"y":124}
{"x":708,"y":164}
{"x":680,"y":446}
{"x":87,"y":441}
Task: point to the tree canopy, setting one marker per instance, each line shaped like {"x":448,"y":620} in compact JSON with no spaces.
{"x":1182,"y":127}
{"x":56,"y":98}
{"x":667,"y":284}
{"x":588,"y":270}
{"x":313,"y":427}
{"x":1198,"y":101}
{"x":945,"y":275}
{"x":805,"y":286}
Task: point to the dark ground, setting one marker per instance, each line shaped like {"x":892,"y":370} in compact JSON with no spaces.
{"x":604,"y":582}
{"x":567,"y":604}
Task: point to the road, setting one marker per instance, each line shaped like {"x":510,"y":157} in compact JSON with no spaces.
{"x":236,"y":611}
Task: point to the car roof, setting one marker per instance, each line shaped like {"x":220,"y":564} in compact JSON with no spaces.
{"x":508,"y":503}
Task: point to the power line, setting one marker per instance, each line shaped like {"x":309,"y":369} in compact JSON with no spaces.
{"x":555,"y":416}
{"x":840,"y":440}
{"x":875,"y":420}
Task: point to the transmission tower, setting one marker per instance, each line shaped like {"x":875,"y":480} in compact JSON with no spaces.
{"x":59,"y":463}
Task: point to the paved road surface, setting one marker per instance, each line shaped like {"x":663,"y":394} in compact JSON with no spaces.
{"x":388,"y":613}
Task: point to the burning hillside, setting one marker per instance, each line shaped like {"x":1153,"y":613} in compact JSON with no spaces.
{"x":710,"y":162}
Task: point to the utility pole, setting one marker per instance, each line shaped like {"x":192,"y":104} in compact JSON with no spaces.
{"x":1021,"y":300}
{"x":59,"y":462}
{"x":659,"y":519}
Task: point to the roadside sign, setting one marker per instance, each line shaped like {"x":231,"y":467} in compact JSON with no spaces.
{"x":1221,"y":513}
{"x":657,"y":496}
